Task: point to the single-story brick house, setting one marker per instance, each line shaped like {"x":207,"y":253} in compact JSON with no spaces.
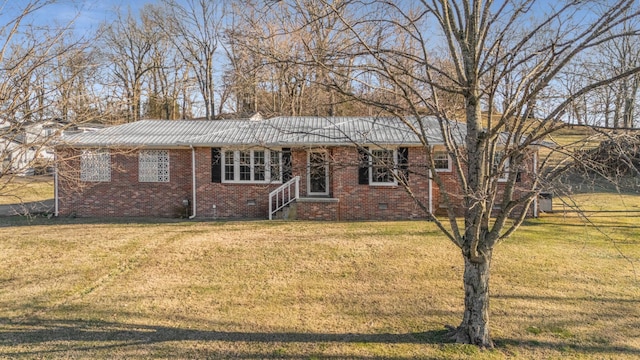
{"x":307,"y":167}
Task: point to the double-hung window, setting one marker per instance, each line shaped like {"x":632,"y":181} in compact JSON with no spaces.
{"x":252,"y":166}
{"x":95,"y":165}
{"x":153,"y":166}
{"x":501,"y":165}
{"x":383,"y":167}
{"x":441,"y":161}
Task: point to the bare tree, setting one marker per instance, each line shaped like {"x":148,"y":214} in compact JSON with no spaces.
{"x":73,"y":75}
{"x":262,"y":82}
{"x":128,"y":44}
{"x":169,"y":77}
{"x":503,"y":60}
{"x":616,"y":57}
{"x":195,"y":27}
{"x":258,"y":42}
{"x":614,"y":105}
{"x":29,"y":55}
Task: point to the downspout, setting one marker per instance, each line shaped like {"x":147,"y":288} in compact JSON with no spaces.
{"x":55,"y":185}
{"x":430,"y":189}
{"x":535,"y":176}
{"x":430,"y":194}
{"x":193,"y":185}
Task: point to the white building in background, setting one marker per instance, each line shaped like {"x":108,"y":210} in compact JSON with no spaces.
{"x":27,"y":148}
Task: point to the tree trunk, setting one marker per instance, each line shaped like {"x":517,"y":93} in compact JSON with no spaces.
{"x":474,"y":328}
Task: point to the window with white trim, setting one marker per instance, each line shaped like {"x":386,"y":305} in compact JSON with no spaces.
{"x":95,"y":165}
{"x":229,"y":166}
{"x":504,"y":170}
{"x":275,"y":165}
{"x":382,"y":167}
{"x":153,"y":166}
{"x":252,"y":166}
{"x":442,"y":161}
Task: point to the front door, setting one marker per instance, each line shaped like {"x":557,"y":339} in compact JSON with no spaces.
{"x":317,"y":174}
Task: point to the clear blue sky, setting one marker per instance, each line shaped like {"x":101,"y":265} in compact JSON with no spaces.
{"x":86,"y":14}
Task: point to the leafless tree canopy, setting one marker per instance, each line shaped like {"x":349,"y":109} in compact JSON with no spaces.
{"x":46,"y":84}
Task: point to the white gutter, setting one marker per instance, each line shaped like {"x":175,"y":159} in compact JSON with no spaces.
{"x":193,"y":186}
{"x":535,"y":174}
{"x":55,"y":185}
{"x":430,"y":182}
{"x":430,"y":194}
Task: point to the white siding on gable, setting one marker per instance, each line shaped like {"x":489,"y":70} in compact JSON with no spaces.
{"x":95,"y":165}
{"x":153,"y":166}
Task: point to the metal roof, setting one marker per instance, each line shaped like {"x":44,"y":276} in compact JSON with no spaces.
{"x":278,"y":131}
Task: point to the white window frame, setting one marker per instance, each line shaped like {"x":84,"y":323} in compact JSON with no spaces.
{"x":442,"y":152}
{"x":394,"y":180}
{"x":325,"y":155}
{"x":154,"y":166}
{"x":277,"y":177}
{"x":268,"y":168}
{"x":497,"y":158}
{"x":95,"y":165}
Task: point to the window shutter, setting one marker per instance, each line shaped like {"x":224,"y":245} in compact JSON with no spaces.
{"x":287,"y":168}
{"x":403,"y":163}
{"x":216,"y":165}
{"x":363,"y":166}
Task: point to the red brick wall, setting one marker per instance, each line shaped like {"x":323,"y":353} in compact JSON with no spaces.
{"x":124,"y":195}
{"x":452,"y":187}
{"x":355,"y":202}
{"x":231,"y":201}
{"x":365,"y":202}
{"x":308,"y":209}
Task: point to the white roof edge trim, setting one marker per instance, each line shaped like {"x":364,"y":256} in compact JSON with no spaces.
{"x":124,"y":146}
{"x":281,"y":145}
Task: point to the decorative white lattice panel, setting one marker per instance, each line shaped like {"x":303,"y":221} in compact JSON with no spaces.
{"x":95,"y":165}
{"x":153,"y":166}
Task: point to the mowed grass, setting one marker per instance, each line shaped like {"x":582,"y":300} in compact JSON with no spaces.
{"x":73,"y":288}
{"x":22,"y":189}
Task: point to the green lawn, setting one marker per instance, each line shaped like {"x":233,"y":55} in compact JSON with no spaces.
{"x":73,"y":288}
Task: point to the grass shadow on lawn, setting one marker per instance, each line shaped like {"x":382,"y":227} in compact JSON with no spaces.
{"x":601,"y":220}
{"x":37,"y":337}
{"x":606,"y":350}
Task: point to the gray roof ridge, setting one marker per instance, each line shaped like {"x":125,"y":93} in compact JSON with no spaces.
{"x":299,"y":134}
{"x":357,"y":137}
{"x":192,"y":140}
{"x":275,"y":131}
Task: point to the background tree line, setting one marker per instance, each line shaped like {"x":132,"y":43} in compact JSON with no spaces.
{"x":203,"y":59}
